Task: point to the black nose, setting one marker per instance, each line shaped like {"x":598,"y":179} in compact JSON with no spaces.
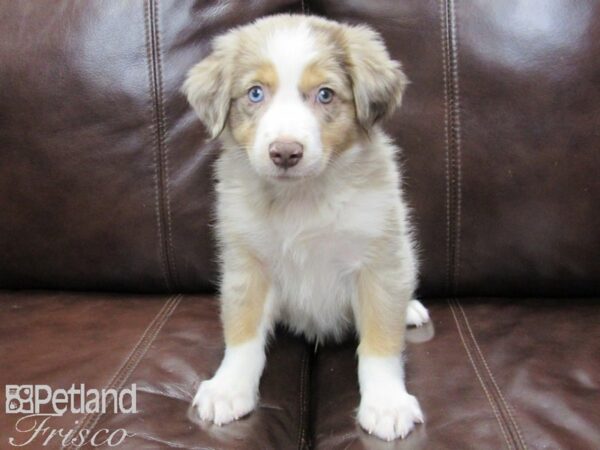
{"x":286,"y":154}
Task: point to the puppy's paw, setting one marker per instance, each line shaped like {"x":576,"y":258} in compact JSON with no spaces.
{"x":221,"y":401}
{"x":416,"y":314}
{"x":389,"y":415}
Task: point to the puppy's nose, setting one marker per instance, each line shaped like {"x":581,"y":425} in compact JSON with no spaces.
{"x":286,"y":154}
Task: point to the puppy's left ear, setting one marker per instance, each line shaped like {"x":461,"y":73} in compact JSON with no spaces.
{"x":378,"y":81}
{"x":208,"y":86}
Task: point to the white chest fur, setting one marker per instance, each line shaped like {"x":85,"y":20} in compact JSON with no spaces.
{"x":314,"y":251}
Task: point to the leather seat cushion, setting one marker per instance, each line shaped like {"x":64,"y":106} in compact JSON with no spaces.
{"x":166,"y":346}
{"x":496,"y":373}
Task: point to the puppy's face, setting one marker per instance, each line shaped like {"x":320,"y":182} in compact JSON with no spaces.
{"x":294,"y":92}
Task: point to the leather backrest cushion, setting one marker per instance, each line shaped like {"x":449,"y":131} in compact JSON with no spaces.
{"x":106,"y":179}
{"x":501,"y":137}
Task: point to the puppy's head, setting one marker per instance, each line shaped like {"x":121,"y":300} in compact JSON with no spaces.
{"x":294,"y":92}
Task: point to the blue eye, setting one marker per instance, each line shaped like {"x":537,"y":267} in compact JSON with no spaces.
{"x":325,"y":95}
{"x":256,"y":94}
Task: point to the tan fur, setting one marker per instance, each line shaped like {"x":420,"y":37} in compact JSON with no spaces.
{"x":338,"y":119}
{"x":340,"y":133}
{"x":383,"y":289}
{"x":243,"y":117}
{"x":244,"y":129}
{"x":266,"y":75}
{"x":378,"y":81}
{"x":243,"y":299}
{"x":208,"y":85}
{"x":381,"y":320}
{"x":313,"y":77}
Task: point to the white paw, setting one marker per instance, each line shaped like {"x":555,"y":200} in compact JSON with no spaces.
{"x":416,"y":314}
{"x":221,"y":401}
{"x":389,"y":415}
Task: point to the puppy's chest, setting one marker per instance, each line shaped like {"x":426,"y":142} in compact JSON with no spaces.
{"x":313,"y":273}
{"x":320,"y":245}
{"x":324,"y":254}
{"x":313,"y":255}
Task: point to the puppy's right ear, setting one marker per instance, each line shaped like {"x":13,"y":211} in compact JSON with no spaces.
{"x":208,"y":86}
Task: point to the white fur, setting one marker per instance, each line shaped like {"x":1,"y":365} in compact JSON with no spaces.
{"x":416,"y":314}
{"x":233,"y":390}
{"x":386,"y":409}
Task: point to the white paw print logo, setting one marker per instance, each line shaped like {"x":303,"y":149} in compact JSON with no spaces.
{"x":19,"y":399}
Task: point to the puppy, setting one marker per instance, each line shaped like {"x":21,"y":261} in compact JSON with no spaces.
{"x":311,"y":225}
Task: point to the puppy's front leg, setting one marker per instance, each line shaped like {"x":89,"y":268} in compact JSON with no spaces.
{"x":386,"y":409}
{"x":233,"y":391}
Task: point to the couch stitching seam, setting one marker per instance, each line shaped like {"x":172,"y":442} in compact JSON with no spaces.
{"x":446,"y":137}
{"x":169,"y":305}
{"x":301,"y":430}
{"x":132,"y":361}
{"x":458,"y":150}
{"x":452,"y":141}
{"x":491,"y":401}
{"x":163,"y":136}
{"x":156,"y":150}
{"x":160,"y":141}
{"x":137,"y":361}
{"x":507,"y":407}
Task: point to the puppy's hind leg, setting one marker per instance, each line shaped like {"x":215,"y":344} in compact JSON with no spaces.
{"x":233,"y":390}
{"x":416,"y":314}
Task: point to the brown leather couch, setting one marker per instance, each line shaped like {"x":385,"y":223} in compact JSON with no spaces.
{"x":107,"y":258}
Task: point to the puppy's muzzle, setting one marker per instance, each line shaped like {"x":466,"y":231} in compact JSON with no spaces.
{"x":286,"y":154}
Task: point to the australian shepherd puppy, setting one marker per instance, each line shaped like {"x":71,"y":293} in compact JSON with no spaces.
{"x":312,"y":228}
